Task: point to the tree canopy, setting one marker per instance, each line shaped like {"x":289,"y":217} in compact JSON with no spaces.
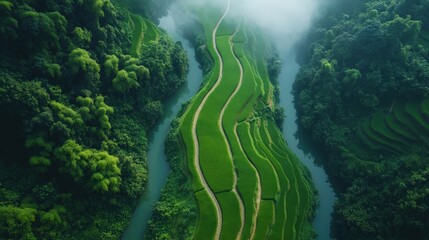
{"x":76,"y":109}
{"x":361,"y":62}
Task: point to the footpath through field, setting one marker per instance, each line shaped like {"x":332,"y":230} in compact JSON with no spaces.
{"x":194,"y":131}
{"x":246,"y":183}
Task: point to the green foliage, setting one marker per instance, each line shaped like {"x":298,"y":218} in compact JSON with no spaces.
{"x":111,"y":66}
{"x":40,"y":161}
{"x":273,"y":67}
{"x":153,"y":111}
{"x":66,"y":114}
{"x":62,"y":146}
{"x":140,"y":71}
{"x":125,"y":81}
{"x":6,"y":6}
{"x":69,"y":155}
{"x":53,"y":70}
{"x":363,"y":63}
{"x":29,"y":95}
{"x":97,"y":7}
{"x":98,"y":169}
{"x":45,"y":28}
{"x":8,"y":24}
{"x":351,"y":76}
{"x":129,"y":77}
{"x":160,"y":58}
{"x":16,"y":223}
{"x":82,"y":37}
{"x":53,"y":216}
{"x":405,"y":29}
{"x":82,"y":65}
{"x":138,"y":34}
{"x":95,"y":110}
{"x":79,"y":60}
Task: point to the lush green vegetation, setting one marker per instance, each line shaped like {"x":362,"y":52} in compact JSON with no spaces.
{"x":386,"y":131}
{"x":241,"y":186}
{"x":362,"y":95}
{"x":79,"y":89}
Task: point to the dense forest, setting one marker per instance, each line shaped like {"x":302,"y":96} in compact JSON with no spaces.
{"x":79,"y":90}
{"x":362,"y":95}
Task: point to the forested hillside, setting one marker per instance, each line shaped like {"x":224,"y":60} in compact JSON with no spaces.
{"x":81,"y":84}
{"x":362,"y":94}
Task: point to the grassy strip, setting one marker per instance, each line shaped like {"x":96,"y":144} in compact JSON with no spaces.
{"x":424,"y":107}
{"x":138,"y":34}
{"x":266,"y":218}
{"x":207,"y":216}
{"x":210,"y":80}
{"x":246,"y":185}
{"x":378,"y":125}
{"x":280,"y":221}
{"x":215,"y":161}
{"x":231,"y":211}
{"x":265,"y":137}
{"x":292,"y":198}
{"x":303,"y":187}
{"x":276,"y":136}
{"x":249,"y":74}
{"x":151,"y":33}
{"x":227,"y":27}
{"x":187,"y":126}
{"x":240,"y":104}
{"x":241,"y":35}
{"x":303,"y":192}
{"x":368,"y":142}
{"x":261,"y":49}
{"x":380,"y":139}
{"x":186,"y":130}
{"x":413,"y":110}
{"x":399,"y":129}
{"x":403,"y":118}
{"x":247,"y":175}
{"x":269,"y":180}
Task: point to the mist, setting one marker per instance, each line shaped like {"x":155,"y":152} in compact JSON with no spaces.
{"x":285,"y":21}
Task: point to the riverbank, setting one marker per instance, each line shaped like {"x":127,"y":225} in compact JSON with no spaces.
{"x":158,"y":166}
{"x":322,"y":220}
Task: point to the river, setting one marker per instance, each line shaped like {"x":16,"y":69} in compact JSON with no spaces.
{"x":158,"y":167}
{"x":322,"y":221}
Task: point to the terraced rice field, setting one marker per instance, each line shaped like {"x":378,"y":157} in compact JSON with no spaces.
{"x":144,"y":32}
{"x":395,"y":131}
{"x":246,"y":182}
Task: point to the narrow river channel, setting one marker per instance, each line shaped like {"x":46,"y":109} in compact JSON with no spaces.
{"x":322,"y":221}
{"x":157,"y":163}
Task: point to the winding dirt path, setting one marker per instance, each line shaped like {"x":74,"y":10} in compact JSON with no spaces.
{"x":194,"y":128}
{"x":220,"y":125}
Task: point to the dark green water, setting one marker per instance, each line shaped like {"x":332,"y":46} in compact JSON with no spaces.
{"x":157,"y":163}
{"x":296,"y":143}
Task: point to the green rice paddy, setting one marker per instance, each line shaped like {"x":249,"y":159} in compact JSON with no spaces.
{"x":405,"y":124}
{"x":144,"y":32}
{"x":238,"y":160}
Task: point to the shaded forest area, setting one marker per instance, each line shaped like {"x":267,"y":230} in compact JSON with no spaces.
{"x":76,"y":106}
{"x":361,"y":95}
